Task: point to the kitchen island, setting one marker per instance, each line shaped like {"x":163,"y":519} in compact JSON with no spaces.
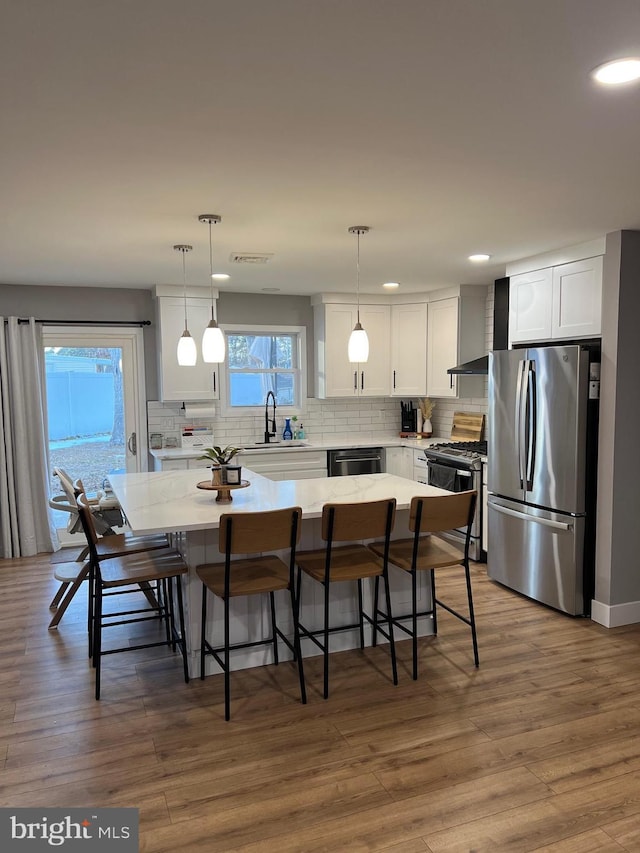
{"x":170,"y":502}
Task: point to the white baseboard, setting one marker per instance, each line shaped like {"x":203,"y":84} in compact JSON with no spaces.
{"x":614,"y":615}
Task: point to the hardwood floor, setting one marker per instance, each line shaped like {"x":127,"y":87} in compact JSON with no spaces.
{"x":539,"y":749}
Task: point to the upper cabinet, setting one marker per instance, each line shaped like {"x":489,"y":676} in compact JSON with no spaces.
{"x":176,"y":383}
{"x":456,"y":333}
{"x":409,"y":349}
{"x":530,"y":306}
{"x":560,"y":301}
{"x":577,"y":299}
{"x":336,"y":376}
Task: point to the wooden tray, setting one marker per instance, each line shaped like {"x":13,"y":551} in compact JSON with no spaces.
{"x":224,"y":491}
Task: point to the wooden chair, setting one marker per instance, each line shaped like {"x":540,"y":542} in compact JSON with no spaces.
{"x":132,"y":573}
{"x":428,"y":551}
{"x":346,"y":522}
{"x":252,"y":533}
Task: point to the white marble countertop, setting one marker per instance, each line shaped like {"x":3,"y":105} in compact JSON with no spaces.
{"x":165,"y":501}
{"x":337,"y":443}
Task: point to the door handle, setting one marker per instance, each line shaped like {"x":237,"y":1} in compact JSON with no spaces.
{"x":355,"y":380}
{"x":132,"y":444}
{"x":362,"y":380}
{"x":520,"y":424}
{"x":545,"y":522}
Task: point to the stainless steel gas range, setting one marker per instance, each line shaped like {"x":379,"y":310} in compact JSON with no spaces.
{"x":457,"y":466}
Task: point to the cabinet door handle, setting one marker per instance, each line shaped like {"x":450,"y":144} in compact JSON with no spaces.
{"x":214,"y":382}
{"x":355,"y":380}
{"x":362,"y":380}
{"x":394,"y":379}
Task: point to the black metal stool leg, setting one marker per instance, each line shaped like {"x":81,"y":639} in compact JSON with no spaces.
{"x":274,"y":631}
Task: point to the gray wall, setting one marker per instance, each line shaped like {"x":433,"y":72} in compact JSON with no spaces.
{"x":617,"y":575}
{"x":87,"y":303}
{"x":271,"y":310}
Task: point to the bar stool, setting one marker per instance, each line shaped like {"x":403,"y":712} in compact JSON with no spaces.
{"x":71,"y":568}
{"x":252,"y":533}
{"x":427,"y":551}
{"x":346,"y":522}
{"x":133,"y":573}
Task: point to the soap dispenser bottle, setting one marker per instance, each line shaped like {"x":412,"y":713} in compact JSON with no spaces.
{"x":301,"y":431}
{"x":287,"y":434}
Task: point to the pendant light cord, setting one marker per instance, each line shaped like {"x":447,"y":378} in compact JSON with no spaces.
{"x":211,"y":268}
{"x":358,"y":277}
{"x":184,"y":287}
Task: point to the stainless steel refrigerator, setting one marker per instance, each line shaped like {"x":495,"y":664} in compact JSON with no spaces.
{"x":541,"y":474}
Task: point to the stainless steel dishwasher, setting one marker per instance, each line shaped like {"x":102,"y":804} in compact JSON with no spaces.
{"x":358,"y":460}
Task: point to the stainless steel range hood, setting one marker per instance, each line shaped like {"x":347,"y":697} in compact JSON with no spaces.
{"x":480,"y":365}
{"x":477,"y":366}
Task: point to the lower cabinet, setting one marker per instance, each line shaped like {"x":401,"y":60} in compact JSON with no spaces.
{"x":286,"y":464}
{"x":399,"y":461}
{"x":277,"y":465}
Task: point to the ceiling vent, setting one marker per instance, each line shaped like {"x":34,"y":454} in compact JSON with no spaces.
{"x":250,"y":257}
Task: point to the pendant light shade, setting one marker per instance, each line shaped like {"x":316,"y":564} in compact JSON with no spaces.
{"x":187,"y":352}
{"x":358,"y":347}
{"x":213,"y":344}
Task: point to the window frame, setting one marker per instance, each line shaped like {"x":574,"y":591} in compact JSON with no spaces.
{"x":300,"y":334}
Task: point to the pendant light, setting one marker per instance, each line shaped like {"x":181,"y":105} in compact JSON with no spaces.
{"x":187,"y":353}
{"x":358,"y":348}
{"x":213,"y":346}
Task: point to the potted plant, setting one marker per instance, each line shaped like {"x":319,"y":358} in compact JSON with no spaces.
{"x":220,"y":457}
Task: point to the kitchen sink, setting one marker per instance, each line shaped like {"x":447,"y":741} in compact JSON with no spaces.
{"x":262,"y":445}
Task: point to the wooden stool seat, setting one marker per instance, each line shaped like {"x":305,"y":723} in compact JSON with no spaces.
{"x":348,"y":563}
{"x":248,"y":577}
{"x":433,"y":553}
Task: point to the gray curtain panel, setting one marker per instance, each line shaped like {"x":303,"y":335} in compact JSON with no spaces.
{"x":25,"y":526}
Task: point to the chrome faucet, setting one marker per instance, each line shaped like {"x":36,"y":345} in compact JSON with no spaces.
{"x":268,"y":433}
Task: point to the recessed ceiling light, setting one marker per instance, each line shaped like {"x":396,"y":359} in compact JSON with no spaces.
{"x":220,"y":276}
{"x":479,"y":258}
{"x":391,"y":285}
{"x":617,"y":72}
{"x":271,"y":290}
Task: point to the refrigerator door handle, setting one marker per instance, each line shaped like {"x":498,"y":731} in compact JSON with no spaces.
{"x":545,"y":522}
{"x":531,"y":420}
{"x":520,"y":424}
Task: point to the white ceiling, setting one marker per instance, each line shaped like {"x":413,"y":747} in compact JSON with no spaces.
{"x":448,"y":126}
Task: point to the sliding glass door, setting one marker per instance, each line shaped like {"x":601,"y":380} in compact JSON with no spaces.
{"x":95,"y":405}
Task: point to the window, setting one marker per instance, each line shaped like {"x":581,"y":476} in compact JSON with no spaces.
{"x":262,"y":359}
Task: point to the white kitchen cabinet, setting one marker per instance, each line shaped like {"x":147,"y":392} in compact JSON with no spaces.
{"x":456,"y":333}
{"x":285,"y":464}
{"x":399,"y":461}
{"x":577,"y":299}
{"x":409,"y":349}
{"x":200,"y":382}
{"x":336,"y":376}
{"x":563,"y":302}
{"x":170,"y":464}
{"x":289,"y":464}
{"x":530,"y":306}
